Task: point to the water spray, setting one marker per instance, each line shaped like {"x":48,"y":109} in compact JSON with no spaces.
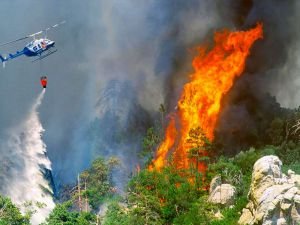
{"x":26,"y":182}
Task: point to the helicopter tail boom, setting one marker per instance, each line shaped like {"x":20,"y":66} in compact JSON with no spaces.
{"x":17,"y":54}
{"x":4,"y":59}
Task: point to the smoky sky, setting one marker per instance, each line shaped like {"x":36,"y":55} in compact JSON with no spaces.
{"x":140,"y":45}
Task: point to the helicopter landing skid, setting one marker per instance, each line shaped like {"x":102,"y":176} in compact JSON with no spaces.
{"x":44,"y":56}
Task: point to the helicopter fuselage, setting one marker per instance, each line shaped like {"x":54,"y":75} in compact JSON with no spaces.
{"x":37,"y":47}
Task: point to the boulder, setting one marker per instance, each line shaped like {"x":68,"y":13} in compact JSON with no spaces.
{"x":221,"y":193}
{"x":215,"y":182}
{"x":273,"y":196}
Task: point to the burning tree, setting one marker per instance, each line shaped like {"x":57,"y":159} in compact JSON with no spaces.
{"x":200,"y":102}
{"x":200,"y":146}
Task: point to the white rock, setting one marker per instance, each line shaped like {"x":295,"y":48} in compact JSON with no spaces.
{"x":274,"y":198}
{"x":281,"y":221}
{"x":290,"y":173}
{"x":223,"y":194}
{"x":295,"y":213}
{"x":289,"y":195}
{"x":297,"y":199}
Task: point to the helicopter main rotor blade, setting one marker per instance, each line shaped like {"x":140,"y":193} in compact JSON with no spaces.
{"x":45,"y":30}
{"x":37,"y":33}
{"x":33,"y":35}
{"x":10,"y":42}
{"x":54,"y":26}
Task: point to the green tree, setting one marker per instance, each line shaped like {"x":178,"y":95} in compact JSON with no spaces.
{"x":149,"y":144}
{"x":10,"y":214}
{"x":155,"y":197}
{"x":276,"y":131}
{"x":200,"y":146}
{"x":116,"y":215}
{"x":200,"y":212}
{"x":292,"y":128}
{"x":198,"y":153}
{"x":62,"y":215}
{"x":98,"y":181}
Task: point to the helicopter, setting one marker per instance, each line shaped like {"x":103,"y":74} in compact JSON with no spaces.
{"x":41,"y":47}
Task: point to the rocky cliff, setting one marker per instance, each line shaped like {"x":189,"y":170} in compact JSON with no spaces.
{"x":274,"y":198}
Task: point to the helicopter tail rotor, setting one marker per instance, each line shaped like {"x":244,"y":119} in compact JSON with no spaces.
{"x":4,"y":59}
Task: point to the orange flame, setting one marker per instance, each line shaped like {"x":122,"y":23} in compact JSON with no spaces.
{"x":200,"y":102}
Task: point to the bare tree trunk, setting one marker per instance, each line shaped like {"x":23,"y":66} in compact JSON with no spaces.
{"x":79,"y":193}
{"x":86,"y":199}
{"x":97,"y":222}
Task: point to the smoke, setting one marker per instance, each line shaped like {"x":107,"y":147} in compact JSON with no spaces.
{"x":270,"y":80}
{"x":117,"y":61}
{"x":24,"y":165}
{"x":129,"y":52}
{"x":286,"y":82}
{"x":143,"y":47}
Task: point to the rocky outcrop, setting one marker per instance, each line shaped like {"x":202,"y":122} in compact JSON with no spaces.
{"x":274,"y":198}
{"x":221,"y":193}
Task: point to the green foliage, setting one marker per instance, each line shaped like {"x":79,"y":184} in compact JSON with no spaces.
{"x":198,"y":153}
{"x":200,"y":145}
{"x":294,"y":166}
{"x":166,"y":197}
{"x":238,"y":170}
{"x":31,"y":207}
{"x":116,"y":215}
{"x":141,"y":210}
{"x":173,"y":196}
{"x":10,"y":214}
{"x":149,"y":144}
{"x":231,"y":215}
{"x":229,"y":171}
{"x":62,"y":215}
{"x":98,"y":181}
{"x":285,"y":130}
{"x":246,"y":160}
{"x":290,"y":153}
{"x":276,"y":131}
{"x":285,"y":133}
{"x":200,"y":212}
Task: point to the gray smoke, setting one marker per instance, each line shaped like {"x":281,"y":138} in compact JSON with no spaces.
{"x":285,"y":86}
{"x":276,"y":61}
{"x":271,"y":70}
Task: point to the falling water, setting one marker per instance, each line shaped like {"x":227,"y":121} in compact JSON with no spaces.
{"x":25,"y":181}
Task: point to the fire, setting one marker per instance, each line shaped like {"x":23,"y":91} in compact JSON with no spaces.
{"x":200,"y":102}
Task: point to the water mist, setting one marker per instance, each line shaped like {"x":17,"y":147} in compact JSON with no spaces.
{"x":27,"y":185}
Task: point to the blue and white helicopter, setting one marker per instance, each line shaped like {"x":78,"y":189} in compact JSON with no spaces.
{"x":36,"y":48}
